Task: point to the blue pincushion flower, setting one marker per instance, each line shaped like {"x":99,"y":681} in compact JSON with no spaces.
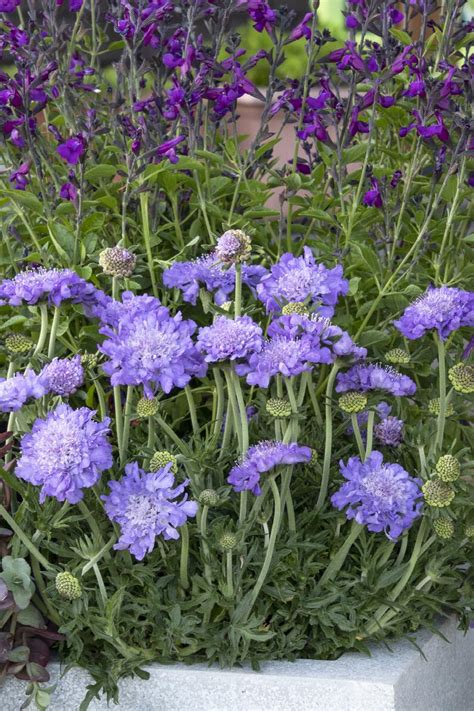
{"x":375,"y":377}
{"x":55,"y":285}
{"x":263,"y":457}
{"x":210,"y":273}
{"x":144,"y":506}
{"x":110,"y":311}
{"x":444,"y":309}
{"x":63,"y":376}
{"x":381,"y":496}
{"x":15,"y":391}
{"x":389,"y":431}
{"x":300,"y":279}
{"x":151,"y":348}
{"x":278,"y":355}
{"x":229,"y":339}
{"x":65,"y":453}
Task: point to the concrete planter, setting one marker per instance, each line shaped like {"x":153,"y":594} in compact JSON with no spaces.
{"x":400,"y":680}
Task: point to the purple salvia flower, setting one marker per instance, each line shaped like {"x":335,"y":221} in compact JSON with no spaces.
{"x":390,"y":431}
{"x":65,"y":453}
{"x":261,"y":13}
{"x":63,"y":376}
{"x":301,"y":278}
{"x":72,"y":150}
{"x":263,"y":457}
{"x":144,"y":506}
{"x":373,"y":197}
{"x":229,"y":339}
{"x":68,"y":191}
{"x":9,"y":5}
{"x":153,"y":349}
{"x":375,"y":377}
{"x":168,"y":149}
{"x":383,"y":497}
{"x":444,"y":309}
{"x":55,"y":285}
{"x":19,"y":177}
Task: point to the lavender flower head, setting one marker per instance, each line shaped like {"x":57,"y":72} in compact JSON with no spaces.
{"x":232,"y":247}
{"x":262,"y":457}
{"x":375,"y":377}
{"x":63,"y":376}
{"x":228,"y":339}
{"x":56,"y":285}
{"x":383,"y":497}
{"x":151,"y":348}
{"x":301,"y":278}
{"x":144,"y":507}
{"x":211,"y":273}
{"x":65,"y":453}
{"x":445,"y":309}
{"x":15,"y":391}
{"x":278,"y":355}
{"x":390,"y":431}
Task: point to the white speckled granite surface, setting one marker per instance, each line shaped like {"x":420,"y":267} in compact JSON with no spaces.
{"x":401,"y":680}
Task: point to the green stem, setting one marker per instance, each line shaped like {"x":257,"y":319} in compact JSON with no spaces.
{"x":442,"y":394}
{"x":183,"y":564}
{"x":357,"y":435}
{"x":147,"y":239}
{"x":173,"y":436}
{"x":238,"y":290}
{"x":53,"y":332}
{"x":151,"y":432}
{"x":118,"y":415}
{"x":229,"y":574}
{"x":192,"y":410}
{"x":227,"y":430}
{"x":337,"y":562}
{"x":370,"y":434}
{"x":43,"y":329}
{"x":220,"y":403}
{"x":312,"y":395}
{"x":126,"y":425}
{"x":328,"y":438}
{"x":52,"y":614}
{"x":93,"y":525}
{"x":24,"y":538}
{"x":202,"y":522}
{"x":234,"y":406}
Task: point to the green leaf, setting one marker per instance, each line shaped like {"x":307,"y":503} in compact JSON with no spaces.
{"x":13,"y":321}
{"x":100,"y":171}
{"x":31,"y":617}
{"x":19,"y":654}
{"x":401,"y":35}
{"x":24,"y":198}
{"x":368,"y":338}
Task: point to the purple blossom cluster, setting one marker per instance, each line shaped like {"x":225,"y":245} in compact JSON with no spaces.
{"x":302,"y":279}
{"x":210,"y":273}
{"x":15,"y":391}
{"x":149,"y":347}
{"x":65,"y":453}
{"x":52,"y":285}
{"x":261,"y":458}
{"x":381,"y":496}
{"x":444,"y":309}
{"x":389,"y":431}
{"x":63,"y":376}
{"x":363,"y":378}
{"x":144,"y":506}
{"x":296,"y":344}
{"x":229,"y":339}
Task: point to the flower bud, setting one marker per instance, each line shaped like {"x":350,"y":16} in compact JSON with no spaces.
{"x":68,"y":586}
{"x":444,"y":528}
{"x":462,"y":378}
{"x":117,"y":262}
{"x":295,"y":307}
{"x":208,"y":497}
{"x":433,"y":408}
{"x":17,"y":343}
{"x":293,"y":181}
{"x":147,"y":407}
{"x":161,"y":459}
{"x":89,"y":360}
{"x":469,"y":531}
{"x":228,"y":541}
{"x":437,"y":493}
{"x":353,"y":402}
{"x":233,"y":247}
{"x":397,"y":356}
{"x":277,"y":407}
{"x":448,"y":468}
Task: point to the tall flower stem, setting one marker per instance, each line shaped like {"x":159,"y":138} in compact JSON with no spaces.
{"x":123,"y":446}
{"x":118,"y":414}
{"x":234,"y":405}
{"x":53,"y":332}
{"x":192,"y":410}
{"x":229,"y":574}
{"x":328,"y":438}
{"x":442,"y":393}
{"x":183,"y":563}
{"x":338,"y":561}
{"x":173,"y":436}
{"x":357,"y":435}
{"x":238,"y":290}
{"x":147,"y":239}
{"x":370,"y":434}
{"x":220,"y":403}
{"x":43,"y":329}
{"x":202,"y":523}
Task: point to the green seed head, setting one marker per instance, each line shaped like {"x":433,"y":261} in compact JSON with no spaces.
{"x":448,"y":468}
{"x":314,"y":456}
{"x":277,"y":407}
{"x":228,"y":541}
{"x":17,"y":343}
{"x":462,"y":378}
{"x":208,"y":497}
{"x":469,"y":531}
{"x":89,"y":360}
{"x":433,"y":408}
{"x":68,"y":586}
{"x":147,"y":407}
{"x":161,"y":459}
{"x":295,"y":307}
{"x":352,"y":402}
{"x":397,"y":356}
{"x":437,"y":493}
{"x":444,"y":528}
{"x":117,"y":262}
